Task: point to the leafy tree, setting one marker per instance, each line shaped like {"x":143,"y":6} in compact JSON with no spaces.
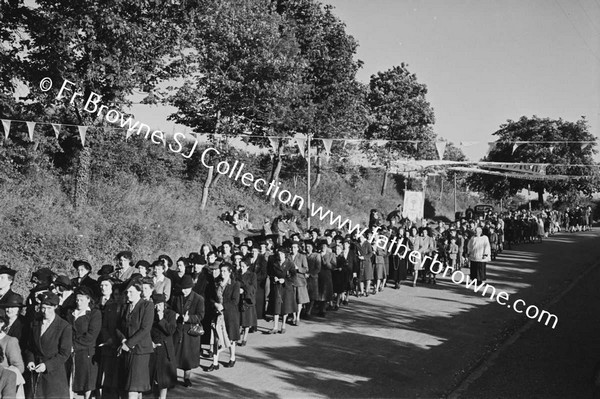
{"x":398,"y":110}
{"x":555,"y":154}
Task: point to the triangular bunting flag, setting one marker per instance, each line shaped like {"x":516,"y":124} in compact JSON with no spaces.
{"x":274,"y":142}
{"x":82,"y":130}
{"x":6,"y":126}
{"x":129,"y":133}
{"x":491,"y":148}
{"x":301,"y":142}
{"x":30,"y":127}
{"x":441,"y":148}
{"x":56,"y":128}
{"x":515,"y":145}
{"x":327,"y":145}
{"x":416,"y":145}
{"x":551,"y":149}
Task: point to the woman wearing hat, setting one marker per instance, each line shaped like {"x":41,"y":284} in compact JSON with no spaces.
{"x":108,"y":340}
{"x":163,"y":370}
{"x":47,"y":350}
{"x":124,"y":269}
{"x":258,"y":265}
{"x":135,"y":341}
{"x":227,"y":302}
{"x":87,"y":322}
{"x":177,"y":275}
{"x":7,"y":276}
{"x":15,"y":322}
{"x":189,"y":308}
{"x":282,"y":300}
{"x":64,"y":290}
{"x":247,"y":280}
{"x":84,"y":279}
{"x":328,"y":263}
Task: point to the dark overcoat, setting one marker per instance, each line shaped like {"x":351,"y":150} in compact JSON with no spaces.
{"x":248,"y":299}
{"x":187,"y":347}
{"x":314,"y":268}
{"x":89,"y":282}
{"x":231,"y":309}
{"x":108,"y":342}
{"x":328,"y":263}
{"x":281,"y":299}
{"x":163,"y":363}
{"x":259,"y":267}
{"x":11,"y":297}
{"x":53,"y":348}
{"x":86,"y":329}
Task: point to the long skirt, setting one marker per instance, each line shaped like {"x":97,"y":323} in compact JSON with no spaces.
{"x":302,"y":295}
{"x":325,"y":286}
{"x":108,"y":370}
{"x":135,"y":376}
{"x":248,"y":317}
{"x":85,"y":372}
{"x":380,"y":270}
{"x":187,"y":347}
{"x":397,"y":269}
{"x":313,"y":288}
{"x":282,"y":299}
{"x":340,"y":281}
{"x":163,"y":370}
{"x":478,"y":271}
{"x":366,"y":271}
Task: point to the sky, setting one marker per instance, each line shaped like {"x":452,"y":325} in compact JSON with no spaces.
{"x":485,"y":61}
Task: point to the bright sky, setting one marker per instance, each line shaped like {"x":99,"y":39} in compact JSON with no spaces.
{"x":486,"y":61}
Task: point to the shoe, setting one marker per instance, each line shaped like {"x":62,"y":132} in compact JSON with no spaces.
{"x":230,"y":364}
{"x":212,"y":368}
{"x":187,"y":383}
{"x":272,"y":331}
{"x":366,"y":294}
{"x":243,"y":343}
{"x":397,"y":287}
{"x":282,"y":331}
{"x":345,"y":303}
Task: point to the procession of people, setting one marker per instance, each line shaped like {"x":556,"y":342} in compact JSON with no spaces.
{"x":127,"y":331}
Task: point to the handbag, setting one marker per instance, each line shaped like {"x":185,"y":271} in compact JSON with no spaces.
{"x":196,"y":330}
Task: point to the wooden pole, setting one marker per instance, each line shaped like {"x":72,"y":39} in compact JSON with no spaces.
{"x":454,"y":194}
{"x":308,"y":182}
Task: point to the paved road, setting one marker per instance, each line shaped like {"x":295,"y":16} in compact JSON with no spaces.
{"x":418,"y":342}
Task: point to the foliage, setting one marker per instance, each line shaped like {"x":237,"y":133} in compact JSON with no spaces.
{"x":568,"y":154}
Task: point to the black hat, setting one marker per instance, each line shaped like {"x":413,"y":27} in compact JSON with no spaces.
{"x":7,"y":270}
{"x":228,"y":243}
{"x":109,"y":278}
{"x":167,"y":258}
{"x":158,"y":298}
{"x":84,"y":290}
{"x":186,"y":282}
{"x":62,"y":281}
{"x":12,"y":301}
{"x":106,"y":269}
{"x":142,"y":263}
{"x":44,"y":274}
{"x":243,"y":244}
{"x":195,"y":258}
{"x":125,"y":254}
{"x":283,"y":249}
{"x":83,"y":263}
{"x":48,"y":298}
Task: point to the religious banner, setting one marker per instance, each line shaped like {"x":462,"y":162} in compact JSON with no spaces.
{"x":413,"y":205}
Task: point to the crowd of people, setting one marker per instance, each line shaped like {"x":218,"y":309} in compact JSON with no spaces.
{"x":127,"y":331}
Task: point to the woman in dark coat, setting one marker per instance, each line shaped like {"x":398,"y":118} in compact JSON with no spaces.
{"x":328,"y":263}
{"x":248,"y":283}
{"x":366,"y":265}
{"x":46,"y":354}
{"x":108,"y":341}
{"x":227,"y":302}
{"x":189,"y":307}
{"x":258,"y":265}
{"x":136,"y":342}
{"x":398,"y":262}
{"x":282,"y":300}
{"x":163,"y":368}
{"x":314,"y":268}
{"x":87,"y":322}
{"x":339,"y":276}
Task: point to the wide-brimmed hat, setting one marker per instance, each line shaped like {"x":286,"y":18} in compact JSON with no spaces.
{"x":44,"y":274}
{"x":77,"y":263}
{"x":7,"y":270}
{"x":12,"y":301}
{"x":48,"y":298}
{"x":167,"y":258}
{"x":158,"y":298}
{"x":62,"y":281}
{"x":106,"y":269}
{"x":195,"y":258}
{"x":186,"y":282}
{"x":125,"y":254}
{"x":84,"y":290}
{"x":109,"y":278}
{"x":143,"y":263}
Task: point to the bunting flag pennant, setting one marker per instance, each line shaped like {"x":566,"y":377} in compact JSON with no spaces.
{"x":344,"y":144}
{"x":515,"y":145}
{"x":551,"y":149}
{"x":301,"y":142}
{"x":441,"y":148}
{"x":492,"y":146}
{"x":30,"y":127}
{"x":56,"y":128}
{"x":129,"y":133}
{"x":416,"y":145}
{"x":274,"y":142}
{"x":82,"y":130}
{"x":327,"y":145}
{"x":6,"y":126}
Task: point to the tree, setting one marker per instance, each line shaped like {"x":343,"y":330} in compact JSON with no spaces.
{"x":561,"y":157}
{"x":398,"y":110}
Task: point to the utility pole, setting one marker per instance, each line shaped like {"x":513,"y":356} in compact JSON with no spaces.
{"x":308,"y":181}
{"x":455,"y":195}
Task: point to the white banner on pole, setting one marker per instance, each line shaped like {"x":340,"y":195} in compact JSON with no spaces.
{"x":413,"y":205}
